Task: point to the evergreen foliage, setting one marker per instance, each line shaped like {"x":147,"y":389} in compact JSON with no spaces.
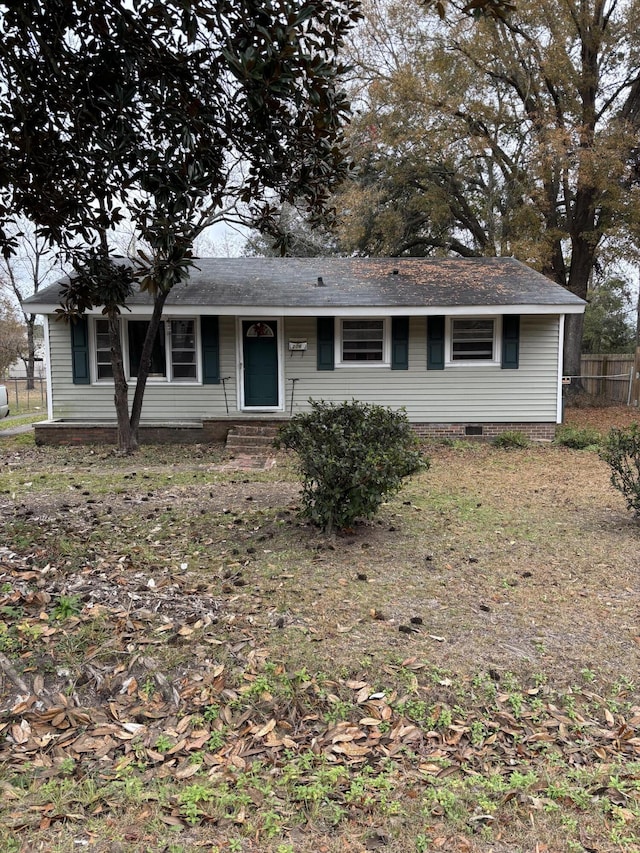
{"x":511,"y":438}
{"x":352,"y":456}
{"x":578,"y":439}
{"x":168,"y":116}
{"x":607,"y":326}
{"x":621,"y":452}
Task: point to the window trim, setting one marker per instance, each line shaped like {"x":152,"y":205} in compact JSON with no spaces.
{"x":495,"y":361}
{"x":167,"y":379}
{"x":100,"y":380}
{"x":183,"y":380}
{"x":386,"y":343}
{"x":278,"y":319}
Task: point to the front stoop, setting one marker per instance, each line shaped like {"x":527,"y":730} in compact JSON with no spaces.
{"x":252,"y":445}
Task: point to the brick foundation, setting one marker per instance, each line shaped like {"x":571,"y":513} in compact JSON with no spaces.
{"x":58,"y":433}
{"x":475,"y":431}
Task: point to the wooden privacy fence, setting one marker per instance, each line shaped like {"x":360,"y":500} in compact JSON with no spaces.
{"x":608,"y":376}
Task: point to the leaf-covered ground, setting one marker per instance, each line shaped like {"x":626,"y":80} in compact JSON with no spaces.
{"x":185,"y":665}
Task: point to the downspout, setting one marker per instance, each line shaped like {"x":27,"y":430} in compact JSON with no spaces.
{"x":47,"y":355}
{"x":559,"y":411}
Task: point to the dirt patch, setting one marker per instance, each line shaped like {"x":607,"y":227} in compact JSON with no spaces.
{"x":602,"y":419}
{"x":526,"y":557}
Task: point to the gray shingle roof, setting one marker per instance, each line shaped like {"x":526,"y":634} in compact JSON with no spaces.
{"x":357,"y":282}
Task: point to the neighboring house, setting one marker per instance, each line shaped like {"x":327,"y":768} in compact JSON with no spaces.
{"x":467,"y":347}
{"x":18,"y":370}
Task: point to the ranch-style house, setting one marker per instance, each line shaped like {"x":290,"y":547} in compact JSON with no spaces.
{"x":468,"y":347}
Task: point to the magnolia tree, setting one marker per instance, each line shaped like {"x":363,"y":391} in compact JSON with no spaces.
{"x":168,"y":116}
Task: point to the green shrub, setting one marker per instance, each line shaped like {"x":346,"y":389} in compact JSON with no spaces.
{"x":352,"y":456}
{"x":621,"y":452}
{"x":511,"y":438}
{"x":578,"y":439}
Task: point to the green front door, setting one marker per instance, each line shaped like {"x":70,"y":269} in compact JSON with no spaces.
{"x":260,"y":356}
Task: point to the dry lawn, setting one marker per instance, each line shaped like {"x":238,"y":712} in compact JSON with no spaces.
{"x":23,"y":400}
{"x":205,"y":671}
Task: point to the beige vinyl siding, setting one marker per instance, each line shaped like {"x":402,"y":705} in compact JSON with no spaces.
{"x":455,"y":394}
{"x":460,"y":393}
{"x":162,"y":400}
{"x":67,"y":399}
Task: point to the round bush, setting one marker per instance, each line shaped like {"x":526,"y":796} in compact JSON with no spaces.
{"x":352,"y":456}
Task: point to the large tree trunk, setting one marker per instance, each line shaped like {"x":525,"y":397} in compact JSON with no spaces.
{"x":582,"y":260}
{"x":145,"y":363}
{"x":127,"y":440}
{"x":30,"y":363}
{"x":572,"y":349}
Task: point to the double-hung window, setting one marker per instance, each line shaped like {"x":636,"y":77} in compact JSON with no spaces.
{"x":173,"y":356}
{"x":184,"y":363}
{"x":103,"y":351}
{"x":473,"y":340}
{"x":363,"y":341}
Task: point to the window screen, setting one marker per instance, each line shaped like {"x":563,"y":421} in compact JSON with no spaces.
{"x":362,"y":340}
{"x":104,"y":370}
{"x":183,"y":349}
{"x":472,"y":340}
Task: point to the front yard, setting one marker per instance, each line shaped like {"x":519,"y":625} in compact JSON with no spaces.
{"x":204,"y":671}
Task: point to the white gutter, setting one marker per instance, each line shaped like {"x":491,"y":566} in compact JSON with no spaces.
{"x":331,"y":310}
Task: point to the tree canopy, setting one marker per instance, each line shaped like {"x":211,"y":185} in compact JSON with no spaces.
{"x":299,"y":238}
{"x":239,"y":101}
{"x":609,"y":321}
{"x":167,"y":116}
{"x":22,"y":274}
{"x":503,"y":135}
{"x":13,"y":337}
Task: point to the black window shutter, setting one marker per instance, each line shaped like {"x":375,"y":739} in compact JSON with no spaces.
{"x":435,"y":343}
{"x":80,"y":351}
{"x":510,"y":341}
{"x":210,"y":337}
{"x":326,"y":353}
{"x":399,"y":343}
